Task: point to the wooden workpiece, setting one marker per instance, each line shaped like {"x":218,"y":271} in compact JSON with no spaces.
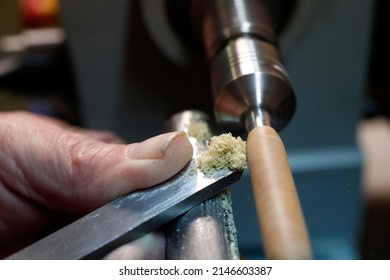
{"x":280,"y":215}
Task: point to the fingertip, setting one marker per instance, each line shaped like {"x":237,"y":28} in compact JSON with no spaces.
{"x":147,"y":164}
{"x":160,"y":146}
{"x":180,"y":147}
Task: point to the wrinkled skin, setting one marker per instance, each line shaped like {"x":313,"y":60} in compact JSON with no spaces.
{"x":52,"y":173}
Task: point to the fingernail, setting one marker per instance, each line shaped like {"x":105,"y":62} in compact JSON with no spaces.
{"x":170,"y":139}
{"x":155,"y":147}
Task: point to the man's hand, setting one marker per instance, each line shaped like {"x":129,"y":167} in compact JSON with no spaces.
{"x":51,"y":172}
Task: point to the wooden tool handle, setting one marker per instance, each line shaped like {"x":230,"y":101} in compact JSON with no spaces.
{"x":280,"y":215}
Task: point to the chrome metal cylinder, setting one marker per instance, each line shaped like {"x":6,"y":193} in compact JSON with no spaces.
{"x":206,"y":232}
{"x":246,"y":75}
{"x":221,"y":20}
{"x":257,"y":117}
{"x":245,"y":68}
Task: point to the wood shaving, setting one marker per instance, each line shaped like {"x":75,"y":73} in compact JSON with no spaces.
{"x":223,"y":152}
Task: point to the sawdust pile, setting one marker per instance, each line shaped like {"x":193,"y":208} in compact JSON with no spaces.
{"x":223,"y":152}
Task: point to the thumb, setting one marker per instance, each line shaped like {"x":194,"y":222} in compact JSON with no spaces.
{"x":102,"y":172}
{"x":78,"y":174}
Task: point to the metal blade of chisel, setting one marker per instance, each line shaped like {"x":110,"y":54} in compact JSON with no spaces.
{"x":129,"y":217}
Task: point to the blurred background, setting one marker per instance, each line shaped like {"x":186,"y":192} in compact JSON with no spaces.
{"x":129,"y":67}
